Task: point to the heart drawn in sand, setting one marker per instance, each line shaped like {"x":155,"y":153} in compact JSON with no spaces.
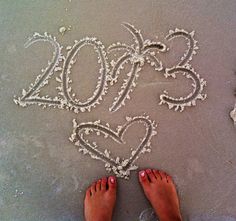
{"x":120,"y":167}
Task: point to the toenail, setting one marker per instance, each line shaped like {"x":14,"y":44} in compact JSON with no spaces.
{"x":149,"y":171}
{"x":112,"y":179}
{"x":142,"y":173}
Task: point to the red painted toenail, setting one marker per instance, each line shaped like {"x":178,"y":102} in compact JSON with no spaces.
{"x":142,"y":173}
{"x":112,"y":179}
{"x":149,"y":171}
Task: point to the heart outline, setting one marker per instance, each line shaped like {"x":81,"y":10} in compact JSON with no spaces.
{"x":120,"y":169}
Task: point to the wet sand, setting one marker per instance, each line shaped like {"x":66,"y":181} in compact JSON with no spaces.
{"x":43,"y":176}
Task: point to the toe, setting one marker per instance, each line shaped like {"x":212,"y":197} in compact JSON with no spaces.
{"x":93,"y":188}
{"x":98,"y":185}
{"x":151,"y":175}
{"x":169,"y":178}
{"x":104,"y":184}
{"x":88,"y":193}
{"x":143,"y":178}
{"x":163,"y":175}
{"x":111,"y":183}
{"x":157,"y":174}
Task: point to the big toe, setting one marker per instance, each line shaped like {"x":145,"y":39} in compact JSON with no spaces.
{"x":112,"y":184}
{"x":143,"y":179}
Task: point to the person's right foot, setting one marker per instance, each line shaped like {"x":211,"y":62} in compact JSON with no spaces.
{"x":100,"y":200}
{"x":160,"y":190}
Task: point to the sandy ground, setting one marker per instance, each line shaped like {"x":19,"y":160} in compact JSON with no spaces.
{"x":42,"y":174}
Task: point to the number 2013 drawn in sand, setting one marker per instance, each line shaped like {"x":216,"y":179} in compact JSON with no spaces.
{"x":143,"y":51}
{"x":139,"y":53}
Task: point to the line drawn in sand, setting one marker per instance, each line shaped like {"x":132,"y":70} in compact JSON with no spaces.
{"x":31,"y":96}
{"x":136,"y":54}
{"x":141,"y":52}
{"x":119,"y":166}
{"x":185,"y":68}
{"x":66,"y":98}
{"x":66,"y":91}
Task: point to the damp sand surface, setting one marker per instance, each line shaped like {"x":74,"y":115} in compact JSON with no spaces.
{"x":43,"y":175}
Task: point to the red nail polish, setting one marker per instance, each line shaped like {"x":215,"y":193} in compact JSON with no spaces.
{"x":142,"y":173}
{"x":112,"y":179}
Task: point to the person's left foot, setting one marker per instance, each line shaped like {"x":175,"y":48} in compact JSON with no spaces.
{"x":100,"y":200}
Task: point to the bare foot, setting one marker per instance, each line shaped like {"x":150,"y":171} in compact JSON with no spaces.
{"x":100,"y":200}
{"x":160,"y":190}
